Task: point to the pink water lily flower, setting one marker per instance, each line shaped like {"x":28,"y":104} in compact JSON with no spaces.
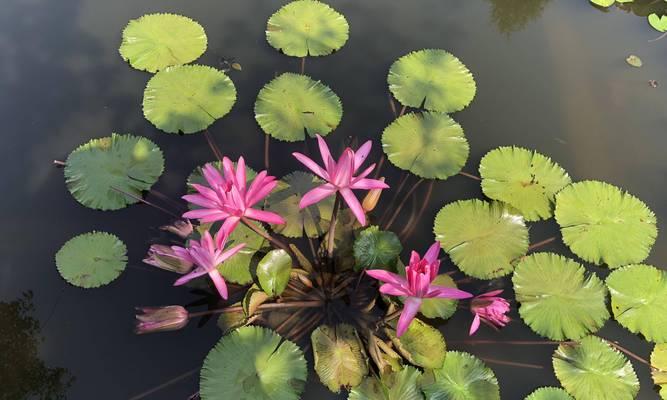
{"x":340,"y":178}
{"x":416,"y":285}
{"x":490,"y":309}
{"x":228,"y":198}
{"x":207,"y":254}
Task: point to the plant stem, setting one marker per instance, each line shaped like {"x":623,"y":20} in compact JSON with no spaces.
{"x":263,"y":307}
{"x":148,"y":203}
{"x":267,"y":140}
{"x":411,"y":224}
{"x":303,"y":65}
{"x":392,"y":105}
{"x":402,"y":111}
{"x":211,"y":143}
{"x":402,"y":182}
{"x":400,"y":206}
{"x":59,"y":163}
{"x":541,"y":243}
{"x":471,"y":176}
{"x":275,"y":242}
{"x":511,"y":363}
{"x":392,"y":316}
{"x":629,"y":353}
{"x":164,"y":385}
{"x":166,"y":198}
{"x":332,"y":228}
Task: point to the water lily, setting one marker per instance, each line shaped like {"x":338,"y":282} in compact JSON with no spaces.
{"x":340,"y":178}
{"x":160,"y":319}
{"x":181,"y":227}
{"x":490,"y":309}
{"x":207,"y":254}
{"x":372,"y":198}
{"x":416,"y":285}
{"x":164,"y":257}
{"x":229,"y":198}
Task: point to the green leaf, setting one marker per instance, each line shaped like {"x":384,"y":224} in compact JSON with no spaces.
{"x":524,"y":179}
{"x":463,"y":377}
{"x":229,"y":321}
{"x":253,"y":298}
{"x":421,"y":344}
{"x":340,"y":359}
{"x":239,"y":267}
{"x":92,"y":259}
{"x":130,"y":164}
{"x":403,"y":385}
{"x":292,"y":106}
{"x":549,"y":393}
{"x":374,"y":248}
{"x":273,"y":272}
{"x":604,"y":225}
{"x":438,"y":307}
{"x":603,"y":3}
{"x":481,"y":238}
{"x":558,"y":299}
{"x":156,"y":41}
{"x":634,"y":60}
{"x":593,"y":370}
{"x":659,"y":23}
{"x":188,"y":98}
{"x":253,"y":363}
{"x":639,"y":300}
{"x":284,"y":200}
{"x":659,"y":371}
{"x":430,"y":145}
{"x":433,"y":79}
{"x":307,"y":28}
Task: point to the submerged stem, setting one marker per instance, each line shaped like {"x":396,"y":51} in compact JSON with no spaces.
{"x":275,"y":242}
{"x":471,"y":176}
{"x":164,"y":385}
{"x":303,"y":65}
{"x":402,"y":203}
{"x":211,"y":143}
{"x":511,"y":363}
{"x":332,"y":228}
{"x":541,"y":243}
{"x":267,"y":140}
{"x":148,"y":203}
{"x":263,"y":307}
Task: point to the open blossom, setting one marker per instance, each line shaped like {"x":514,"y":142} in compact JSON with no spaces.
{"x":160,"y":319}
{"x":228,"y":198}
{"x":207,"y":254}
{"x":416,"y":285}
{"x":490,"y":309}
{"x":164,"y":257}
{"x":339,"y":177}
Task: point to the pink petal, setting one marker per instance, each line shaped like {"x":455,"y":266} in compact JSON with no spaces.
{"x":368,"y":184}
{"x":342,"y":175}
{"x":354,"y":205}
{"x":207,"y":242}
{"x":205,"y":191}
{"x":229,"y":253}
{"x":410,"y":308}
{"x":431,"y":255}
{"x":212,"y":175}
{"x":240,"y":174}
{"x":229,"y":225}
{"x":475,"y":325}
{"x":414,"y":258}
{"x":361,"y":154}
{"x":192,"y":275}
{"x":491,"y":293}
{"x":365,"y":173}
{"x":200,"y":201}
{"x":265,"y":216}
{"x":265,"y":187}
{"x":179,"y":252}
{"x":447,"y":293}
{"x":315,"y":195}
{"x":311,"y":165}
{"x":219,"y":283}
{"x":228,"y":168}
{"x":206,"y":215}
{"x":393,"y":290}
{"x":326,"y":154}
{"x":386,"y":276}
{"x":254,"y":186}
{"x":221,"y":238}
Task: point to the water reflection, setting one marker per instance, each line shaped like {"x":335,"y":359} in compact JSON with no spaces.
{"x":643,"y":8}
{"x":513,"y":15}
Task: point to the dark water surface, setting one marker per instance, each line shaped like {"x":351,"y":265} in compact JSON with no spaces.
{"x":551,"y":76}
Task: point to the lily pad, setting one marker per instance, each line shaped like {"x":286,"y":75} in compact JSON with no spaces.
{"x":307,"y":28}
{"x":634,"y":61}
{"x":238,"y":268}
{"x":433,"y":79}
{"x":284,"y":200}
{"x":549,"y":393}
{"x":639,"y":300}
{"x":294,"y":106}
{"x":156,"y":41}
{"x":659,"y":371}
{"x":558,"y":299}
{"x":593,"y":370}
{"x":422,"y":345}
{"x":603,"y":3}
{"x":430,"y":145}
{"x":374,"y":248}
{"x":438,"y":307}
{"x":524,"y":179}
{"x":188,"y":98}
{"x":273,"y":272}
{"x":253,"y":298}
{"x":659,"y":23}
{"x":92,"y":259}
{"x":481,"y":238}
{"x":130,"y":164}
{"x":227,"y":322}
{"x":253,"y":363}
{"x":604,"y":225}
{"x":340,"y":359}
{"x":463,"y":377}
{"x":403,"y":385}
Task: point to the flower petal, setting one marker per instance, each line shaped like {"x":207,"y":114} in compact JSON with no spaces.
{"x":230,"y":224}
{"x":255,"y":186}
{"x":192,"y":275}
{"x":474,"y":326}
{"x":491,"y":293}
{"x":230,"y":252}
{"x":315,"y":195}
{"x":240,"y":174}
{"x":393,"y":290}
{"x":311,"y":165}
{"x":447,"y":293}
{"x":219,"y":283}
{"x":410,"y":308}
{"x":265,"y":216}
{"x":264,"y":188}
{"x":386,"y":276}
{"x":329,"y":163}
{"x":361,"y":154}
{"x":206,"y":215}
{"x":368,"y":184}
{"x":212,"y":175}
{"x":431,"y":255}
{"x":354,"y":205}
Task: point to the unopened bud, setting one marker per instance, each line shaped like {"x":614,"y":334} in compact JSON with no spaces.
{"x":181,"y":227}
{"x":160,"y":319}
{"x":372,"y":198}
{"x":164,"y":257}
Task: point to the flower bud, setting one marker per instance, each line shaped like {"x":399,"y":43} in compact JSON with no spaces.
{"x":163,"y":257}
{"x":181,"y":227}
{"x":160,"y":319}
{"x":372,"y":198}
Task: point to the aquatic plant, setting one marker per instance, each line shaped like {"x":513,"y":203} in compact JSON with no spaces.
{"x":365,"y":316}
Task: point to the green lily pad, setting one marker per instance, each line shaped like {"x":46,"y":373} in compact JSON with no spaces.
{"x":593,"y":370}
{"x":422,"y":345}
{"x":524,"y":179}
{"x":253,"y":363}
{"x":604,"y":225}
{"x":659,"y":371}
{"x":374,"y":249}
{"x":549,"y":393}
{"x":130,"y":164}
{"x":603,"y":3}
{"x":188,"y":98}
{"x":273,"y":272}
{"x":239,"y":267}
{"x":433,"y":79}
{"x":229,"y":321}
{"x":403,"y":385}
{"x":481,"y":238}
{"x":340,"y":359}
{"x":634,"y":61}
{"x":639,"y":300}
{"x":307,"y":28}
{"x":659,"y":23}
{"x":253,"y":298}
{"x":558,"y":299}
{"x":156,"y":41}
{"x":284,"y":200}
{"x":92,"y":259}
{"x":430,"y":145}
{"x":462,"y":377}
{"x":294,"y":106}
{"x":437,"y":307}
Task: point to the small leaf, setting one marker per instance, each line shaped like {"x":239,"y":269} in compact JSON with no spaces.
{"x":659,"y":23}
{"x":231,"y":320}
{"x":273,"y":272}
{"x":659,"y":371}
{"x":92,"y":259}
{"x":421,"y":345}
{"x":237,"y":66}
{"x":549,"y":393}
{"x":254,"y":297}
{"x":374,"y":249}
{"x":463,"y":377}
{"x":603,"y":3}
{"x":634,"y":60}
{"x":403,"y":385}
{"x":340,"y":359}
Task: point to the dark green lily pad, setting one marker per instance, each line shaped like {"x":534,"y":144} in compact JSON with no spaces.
{"x":375,"y":249}
{"x":273,"y":272}
{"x":422,"y":345}
{"x":462,"y":377}
{"x":92,"y":259}
{"x":340,"y":359}
{"x":403,"y":385}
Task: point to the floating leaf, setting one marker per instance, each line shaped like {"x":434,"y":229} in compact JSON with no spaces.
{"x":557,"y":299}
{"x":634,"y":60}
{"x":593,"y":370}
{"x":439,"y":307}
{"x":188,"y":98}
{"x":603,"y":3}
{"x":229,"y":321}
{"x":253,"y":298}
{"x":130,"y":164}
{"x":524,"y":179}
{"x":463,"y":377}
{"x":403,"y":385}
{"x":253,"y":363}
{"x":602,"y":224}
{"x":549,"y":393}
{"x":307,"y":28}
{"x":421,"y":345}
{"x":156,"y":41}
{"x":430,"y":145}
{"x":374,"y":248}
{"x":284,"y":200}
{"x":639,"y":300}
{"x":92,"y":259}
{"x":481,"y":238}
{"x":238,"y":268}
{"x":433,"y":79}
{"x":340,"y":359}
{"x":659,"y":23}
{"x":273,"y":272}
{"x":292,"y":106}
{"x":659,"y":371}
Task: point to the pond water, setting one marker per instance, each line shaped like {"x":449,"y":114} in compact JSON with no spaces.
{"x":551,"y":76}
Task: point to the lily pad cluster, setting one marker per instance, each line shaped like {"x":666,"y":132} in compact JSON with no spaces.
{"x":657,"y":20}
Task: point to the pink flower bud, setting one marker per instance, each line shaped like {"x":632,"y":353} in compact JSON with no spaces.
{"x":372,"y":198}
{"x":164,"y":257}
{"x":490,"y":309}
{"x":160,"y":319}
{"x":181,"y":227}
